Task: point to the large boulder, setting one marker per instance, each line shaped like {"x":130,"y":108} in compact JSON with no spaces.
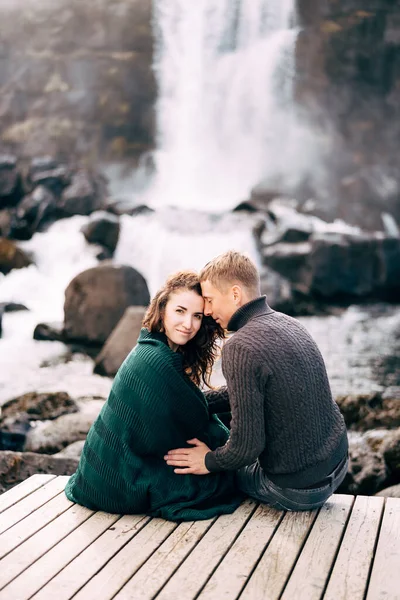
{"x":15,"y":467}
{"x":355,"y":265}
{"x":12,"y":257}
{"x":96,"y":300}
{"x":121,"y":341}
{"x":333,"y":265}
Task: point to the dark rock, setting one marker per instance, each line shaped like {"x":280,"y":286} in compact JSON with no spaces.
{"x":12,"y":257}
{"x":55,"y":179}
{"x":102,"y":228}
{"x":140,"y":209}
{"x":51,"y":332}
{"x":12,"y":306}
{"x":104,"y":254}
{"x":124,"y":207}
{"x":121,"y":341}
{"x":363,"y":412}
{"x":246,"y":206}
{"x":15,"y":467}
{"x":337,"y":267}
{"x":367,"y":469}
{"x":46,"y":171}
{"x":96,"y":300}
{"x":38,"y":406}
{"x":84,"y":195}
{"x":10,"y":181}
{"x":355,"y":265}
{"x":55,"y":435}
{"x":32,"y":212}
{"x":291,"y":261}
{"x":13,"y":437}
{"x":42,"y":164}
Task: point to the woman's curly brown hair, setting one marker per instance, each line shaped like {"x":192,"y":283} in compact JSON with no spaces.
{"x":201,"y":351}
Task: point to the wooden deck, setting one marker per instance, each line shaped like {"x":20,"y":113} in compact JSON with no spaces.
{"x":51,"y":548}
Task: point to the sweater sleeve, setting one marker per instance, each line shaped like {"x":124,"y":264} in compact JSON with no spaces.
{"x":246,"y":382}
{"x":218,"y":400}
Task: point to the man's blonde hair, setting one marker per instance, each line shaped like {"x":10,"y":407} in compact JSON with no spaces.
{"x":232,"y":268}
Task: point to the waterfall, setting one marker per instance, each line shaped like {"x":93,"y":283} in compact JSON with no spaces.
{"x":224,"y":70}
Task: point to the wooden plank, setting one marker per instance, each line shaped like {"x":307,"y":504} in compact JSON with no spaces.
{"x":22,"y":490}
{"x":118,"y":571}
{"x":78,"y":572}
{"x":30,"y":503}
{"x":350,"y":573}
{"x":46,"y":567}
{"x":20,"y":532}
{"x":313,"y":567}
{"x":276,"y":564}
{"x":36,"y":546}
{"x":233,"y":572}
{"x":187,"y":582}
{"x":385,"y":578}
{"x":150,"y":578}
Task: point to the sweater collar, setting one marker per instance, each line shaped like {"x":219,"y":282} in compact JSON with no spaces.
{"x":248,"y":311}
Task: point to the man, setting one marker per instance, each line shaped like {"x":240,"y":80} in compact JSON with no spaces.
{"x":288,"y":440}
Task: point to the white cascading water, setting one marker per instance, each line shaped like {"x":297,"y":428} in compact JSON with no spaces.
{"x":225,"y":71}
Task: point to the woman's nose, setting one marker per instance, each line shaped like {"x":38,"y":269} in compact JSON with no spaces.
{"x":187,"y":322}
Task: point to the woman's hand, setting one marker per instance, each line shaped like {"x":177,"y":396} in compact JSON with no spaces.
{"x":189,"y":460}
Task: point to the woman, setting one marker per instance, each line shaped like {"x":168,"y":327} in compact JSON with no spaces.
{"x":154,"y":405}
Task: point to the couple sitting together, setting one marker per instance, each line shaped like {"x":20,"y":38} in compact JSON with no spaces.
{"x":158,"y":446}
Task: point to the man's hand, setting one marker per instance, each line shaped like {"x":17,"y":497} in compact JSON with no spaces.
{"x":189,"y":460}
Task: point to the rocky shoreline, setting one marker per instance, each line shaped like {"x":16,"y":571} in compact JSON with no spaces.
{"x":47,"y":433}
{"x":310,"y":267}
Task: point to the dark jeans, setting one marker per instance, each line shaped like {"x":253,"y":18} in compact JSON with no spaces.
{"x":253,"y":482}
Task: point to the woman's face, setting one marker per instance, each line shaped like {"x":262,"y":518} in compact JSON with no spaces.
{"x":182,"y":317}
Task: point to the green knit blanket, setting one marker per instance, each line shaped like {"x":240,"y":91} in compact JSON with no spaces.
{"x":152,"y":407}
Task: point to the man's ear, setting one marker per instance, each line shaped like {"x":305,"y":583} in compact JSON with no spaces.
{"x":237,"y":294}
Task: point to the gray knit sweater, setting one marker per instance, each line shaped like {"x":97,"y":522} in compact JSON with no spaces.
{"x":279,"y":395}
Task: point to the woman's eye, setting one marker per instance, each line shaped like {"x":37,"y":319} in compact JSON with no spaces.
{"x":179,"y":310}
{"x":199,"y":317}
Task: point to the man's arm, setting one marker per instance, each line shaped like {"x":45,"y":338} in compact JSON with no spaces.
{"x":246,"y":382}
{"x":218,"y":400}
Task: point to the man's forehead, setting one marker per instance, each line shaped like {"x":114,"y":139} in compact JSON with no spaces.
{"x":207,"y":288}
